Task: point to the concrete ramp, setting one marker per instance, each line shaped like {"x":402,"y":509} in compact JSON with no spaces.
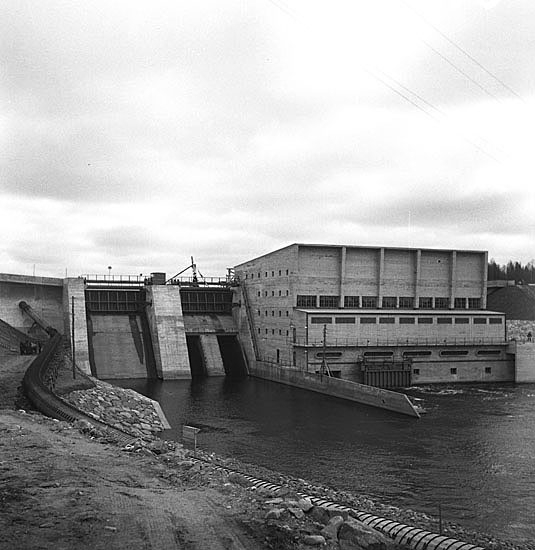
{"x":120,"y":346}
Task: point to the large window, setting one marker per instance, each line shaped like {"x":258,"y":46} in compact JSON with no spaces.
{"x":442,"y":303}
{"x":406,"y":302}
{"x":345,"y":320}
{"x":460,"y":303}
{"x":368,"y":320}
{"x":351,"y":301}
{"x":444,"y":320}
{"x":369,"y":302}
{"x":329,"y":301}
{"x":474,"y":303}
{"x":321,"y":320}
{"x":406,"y":320}
{"x":387,"y":320}
{"x":425,"y":303}
{"x":306,"y":300}
{"x":390,"y":302}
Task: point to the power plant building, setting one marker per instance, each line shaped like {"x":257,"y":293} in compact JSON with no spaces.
{"x":378,"y":315}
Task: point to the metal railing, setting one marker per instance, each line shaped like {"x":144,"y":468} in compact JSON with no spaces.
{"x":201,"y":281}
{"x":398,"y":342}
{"x":116,"y":280}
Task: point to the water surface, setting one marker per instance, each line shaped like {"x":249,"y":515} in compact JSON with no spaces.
{"x":473,"y":451}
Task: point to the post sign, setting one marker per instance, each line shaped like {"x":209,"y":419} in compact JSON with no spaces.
{"x":189,"y":433}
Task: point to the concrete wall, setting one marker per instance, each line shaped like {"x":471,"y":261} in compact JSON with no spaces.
{"x":164,"y":314}
{"x":76,"y":288}
{"x":44,"y":295}
{"x":118,"y":346}
{"x":209,"y":323}
{"x":213,"y":361}
{"x":376,"y":397}
{"x":524,"y":361}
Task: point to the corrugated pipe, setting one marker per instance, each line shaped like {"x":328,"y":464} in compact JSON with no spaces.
{"x":413,"y":537}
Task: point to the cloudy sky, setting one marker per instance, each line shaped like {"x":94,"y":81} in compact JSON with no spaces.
{"x":136,"y":134}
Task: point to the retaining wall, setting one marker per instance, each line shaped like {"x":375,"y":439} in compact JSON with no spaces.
{"x":367,"y":395}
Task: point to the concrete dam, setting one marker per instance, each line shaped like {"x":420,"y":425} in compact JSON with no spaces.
{"x":128,"y":327}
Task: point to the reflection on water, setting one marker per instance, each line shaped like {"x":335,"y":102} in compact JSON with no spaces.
{"x":473,"y":451}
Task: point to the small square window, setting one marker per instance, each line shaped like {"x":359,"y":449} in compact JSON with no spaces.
{"x":488,"y":370}
{"x":453,"y":370}
{"x":416,"y":371}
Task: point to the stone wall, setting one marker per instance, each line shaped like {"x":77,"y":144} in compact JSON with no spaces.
{"x":518,"y":330}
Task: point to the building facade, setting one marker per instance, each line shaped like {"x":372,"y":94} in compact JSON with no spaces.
{"x":379,"y":315}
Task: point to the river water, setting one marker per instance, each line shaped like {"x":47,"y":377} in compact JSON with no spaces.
{"x":473,"y":451}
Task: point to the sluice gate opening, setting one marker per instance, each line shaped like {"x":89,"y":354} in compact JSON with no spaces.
{"x":232,"y":355}
{"x":119,"y":340}
{"x":196,"y":358}
{"x":387,"y":374}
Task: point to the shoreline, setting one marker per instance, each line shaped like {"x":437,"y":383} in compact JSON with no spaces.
{"x":363,"y":502}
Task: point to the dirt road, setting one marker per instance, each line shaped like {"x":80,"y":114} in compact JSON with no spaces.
{"x":62,"y":490}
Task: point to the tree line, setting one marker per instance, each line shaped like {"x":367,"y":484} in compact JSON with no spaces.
{"x":512,"y":271}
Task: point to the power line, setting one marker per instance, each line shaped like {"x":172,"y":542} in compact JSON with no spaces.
{"x":463,"y":51}
{"x":458,"y":69}
{"x":372,"y":73}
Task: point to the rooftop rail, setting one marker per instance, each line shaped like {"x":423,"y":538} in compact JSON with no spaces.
{"x":398,"y":342}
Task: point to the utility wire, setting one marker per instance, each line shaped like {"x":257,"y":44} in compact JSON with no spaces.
{"x":462,"y":50}
{"x":459,"y":70}
{"x":374,"y":75}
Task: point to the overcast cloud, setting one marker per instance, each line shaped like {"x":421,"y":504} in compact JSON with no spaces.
{"x":137,"y":134}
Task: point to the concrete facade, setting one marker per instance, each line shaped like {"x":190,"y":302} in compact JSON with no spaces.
{"x":387,"y":298}
{"x":43,"y":294}
{"x":213,"y":361}
{"x":525,"y":361}
{"x":75,"y":288}
{"x":118,"y":347}
{"x":166,"y":323}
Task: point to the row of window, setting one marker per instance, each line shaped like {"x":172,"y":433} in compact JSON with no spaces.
{"x":410,"y":354}
{"x":453,"y":370}
{"x":273,"y":332}
{"x":406,"y":320}
{"x":266,"y":313}
{"x":389,"y":302}
{"x":266,"y":274}
{"x":266,"y":293}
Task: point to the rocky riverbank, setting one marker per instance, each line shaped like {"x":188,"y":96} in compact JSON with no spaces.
{"x":287,"y":518}
{"x":61,"y":489}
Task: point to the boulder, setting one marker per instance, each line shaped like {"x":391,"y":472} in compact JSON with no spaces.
{"x":355,"y":535}
{"x":305,"y":504}
{"x":275,"y":513}
{"x":314,"y":540}
{"x":330,"y":531}
{"x":320,"y":514}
